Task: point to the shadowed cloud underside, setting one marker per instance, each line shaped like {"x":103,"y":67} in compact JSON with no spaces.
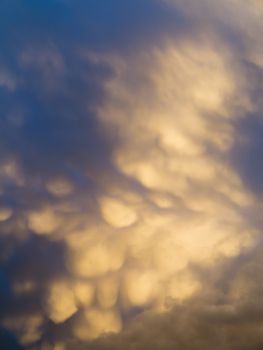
{"x":131,"y":175}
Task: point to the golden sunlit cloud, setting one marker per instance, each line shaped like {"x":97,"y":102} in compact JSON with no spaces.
{"x":168,"y":226}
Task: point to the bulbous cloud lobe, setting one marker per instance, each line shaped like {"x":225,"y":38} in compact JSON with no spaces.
{"x":130,"y":174}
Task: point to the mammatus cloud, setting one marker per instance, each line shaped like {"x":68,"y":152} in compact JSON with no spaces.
{"x":130,"y":212}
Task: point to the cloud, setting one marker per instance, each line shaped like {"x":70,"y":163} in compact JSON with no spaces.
{"x":130,"y":206}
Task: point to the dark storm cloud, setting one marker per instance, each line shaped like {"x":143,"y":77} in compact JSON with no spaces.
{"x":247,"y":151}
{"x":49,"y":112}
{"x":49,"y":92}
{"x":50,"y":89}
{"x":8,"y":341}
{"x":58,"y":174}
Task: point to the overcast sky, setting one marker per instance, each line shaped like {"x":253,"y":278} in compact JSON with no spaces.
{"x":131,"y":142}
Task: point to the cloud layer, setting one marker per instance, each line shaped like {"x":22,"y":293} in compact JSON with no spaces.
{"x":130,"y":175}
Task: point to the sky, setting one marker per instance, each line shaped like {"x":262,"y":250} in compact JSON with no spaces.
{"x":131,"y":140}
